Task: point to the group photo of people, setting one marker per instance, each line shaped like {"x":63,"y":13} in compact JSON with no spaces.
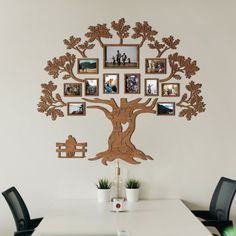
{"x":155,"y":66}
{"x":170,"y":90}
{"x":117,"y":56}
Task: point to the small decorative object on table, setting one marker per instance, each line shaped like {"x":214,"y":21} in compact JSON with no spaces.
{"x":118,"y":204}
{"x":132,"y":190}
{"x":118,"y":184}
{"x":104,"y":190}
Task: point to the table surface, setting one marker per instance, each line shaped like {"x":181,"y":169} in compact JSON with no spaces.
{"x":144,"y":218}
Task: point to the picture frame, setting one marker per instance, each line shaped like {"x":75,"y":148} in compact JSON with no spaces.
{"x":110,"y":83}
{"x":151,"y":87}
{"x":165,"y":108}
{"x":170,"y":89}
{"x":91,"y":87}
{"x":155,"y":66}
{"x":72,"y":89}
{"x":121,"y":56}
{"x":88,"y":65}
{"x":76,"y":108}
{"x":132,"y":83}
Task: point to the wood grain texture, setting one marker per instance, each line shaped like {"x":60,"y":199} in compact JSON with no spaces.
{"x":123,"y":119}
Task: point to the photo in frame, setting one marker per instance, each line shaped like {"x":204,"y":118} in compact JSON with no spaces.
{"x":72,"y":89}
{"x":166,"y":108}
{"x":91,"y":87}
{"x":170,"y":89}
{"x":151,"y":87}
{"x":110,"y":83}
{"x":132,"y":83}
{"x":88,"y":66}
{"x":120,"y":56}
{"x":155,"y":66}
{"x":76,"y":108}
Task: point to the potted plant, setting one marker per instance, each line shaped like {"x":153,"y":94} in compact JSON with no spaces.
{"x":104,"y":189}
{"x":132,"y":190}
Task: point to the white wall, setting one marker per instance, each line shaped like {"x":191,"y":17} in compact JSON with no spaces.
{"x":190,"y":157}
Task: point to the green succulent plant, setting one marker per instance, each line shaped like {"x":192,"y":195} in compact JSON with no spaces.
{"x":132,"y":184}
{"x":103,"y":184}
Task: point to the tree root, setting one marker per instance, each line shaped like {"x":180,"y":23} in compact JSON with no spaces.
{"x":109,"y":156}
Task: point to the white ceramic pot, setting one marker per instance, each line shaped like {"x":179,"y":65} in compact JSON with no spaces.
{"x":103,"y":195}
{"x":132,"y":195}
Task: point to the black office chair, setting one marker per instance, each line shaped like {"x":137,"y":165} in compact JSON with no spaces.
{"x":218,"y":214}
{"x":25,"y":226}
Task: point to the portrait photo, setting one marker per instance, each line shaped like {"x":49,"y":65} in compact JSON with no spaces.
{"x":170,"y":89}
{"x":72,"y":90}
{"x":155,"y":66}
{"x":111,"y":83}
{"x":88,"y":66}
{"x":76,"y":108}
{"x":166,"y":108}
{"x":91,"y":87}
{"x":151,"y":87}
{"x":119,"y":56}
{"x":132,"y":83}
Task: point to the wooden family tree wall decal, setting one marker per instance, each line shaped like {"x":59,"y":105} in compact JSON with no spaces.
{"x":123,"y":113}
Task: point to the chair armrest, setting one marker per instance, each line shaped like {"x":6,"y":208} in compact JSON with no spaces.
{"x":206,"y":215}
{"x":216,"y":223}
{"x":220,"y":225}
{"x":34,"y":223}
{"x":27,"y":232}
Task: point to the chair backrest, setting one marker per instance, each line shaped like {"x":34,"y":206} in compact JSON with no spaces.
{"x":18,"y":208}
{"x":222,"y":198}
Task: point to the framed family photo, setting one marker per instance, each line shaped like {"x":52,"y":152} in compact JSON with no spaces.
{"x":72,"y":90}
{"x":88,"y":66}
{"x":110,"y":83}
{"x":132,"y":84}
{"x":151,"y":87}
{"x":155,"y":66}
{"x":91,"y":87}
{"x":120,"y":56}
{"x":76,"y":108}
{"x":166,"y":108}
{"x":170,"y":89}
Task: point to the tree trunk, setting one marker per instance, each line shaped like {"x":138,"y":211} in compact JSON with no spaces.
{"x":120,"y":145}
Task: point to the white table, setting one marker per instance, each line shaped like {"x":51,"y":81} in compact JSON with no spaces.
{"x":144,"y":218}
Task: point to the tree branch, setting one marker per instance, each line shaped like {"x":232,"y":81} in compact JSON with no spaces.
{"x":63,"y":64}
{"x":193,"y":105}
{"x":110,"y":102}
{"x":180,"y":64}
{"x":107,"y":113}
{"x":133,"y":102}
{"x":143,"y":108}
